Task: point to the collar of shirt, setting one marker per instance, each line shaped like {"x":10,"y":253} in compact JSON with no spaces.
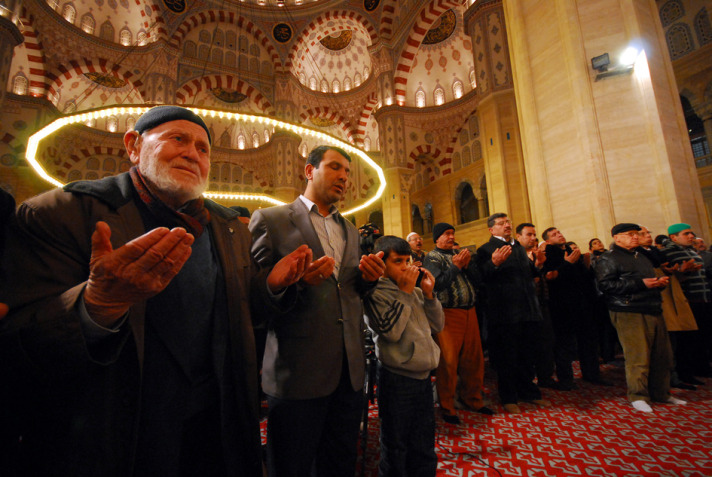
{"x":310,"y":205}
{"x":510,"y":242}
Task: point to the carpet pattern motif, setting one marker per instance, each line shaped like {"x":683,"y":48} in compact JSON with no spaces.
{"x":591,"y":431}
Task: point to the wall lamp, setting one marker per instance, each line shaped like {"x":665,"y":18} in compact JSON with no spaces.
{"x":602,"y":63}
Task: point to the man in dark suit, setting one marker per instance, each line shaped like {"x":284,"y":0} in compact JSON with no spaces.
{"x":129,"y":347}
{"x":313,"y":368}
{"x":513,"y":314}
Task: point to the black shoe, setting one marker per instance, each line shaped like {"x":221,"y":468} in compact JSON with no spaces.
{"x":682,"y":385}
{"x":599,"y":382}
{"x":452,"y":419}
{"x":485,"y":410}
{"x":692,"y":380}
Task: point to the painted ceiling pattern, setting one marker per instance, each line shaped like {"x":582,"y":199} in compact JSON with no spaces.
{"x":224,"y":56}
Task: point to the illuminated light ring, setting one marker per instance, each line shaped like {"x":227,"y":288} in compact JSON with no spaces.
{"x":84,"y":116}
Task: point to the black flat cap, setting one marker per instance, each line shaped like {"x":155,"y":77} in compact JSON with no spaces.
{"x":163,"y":114}
{"x":623,"y":227}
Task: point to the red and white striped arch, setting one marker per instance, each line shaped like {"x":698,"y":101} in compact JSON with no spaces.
{"x":433,"y":153}
{"x":35,"y":55}
{"x":223,"y":16}
{"x":371,"y":103}
{"x":158,"y":28}
{"x":75,"y":68}
{"x":326,"y":113}
{"x":427,"y":16}
{"x":192,"y":87}
{"x":317,"y":29}
{"x":388,"y":18}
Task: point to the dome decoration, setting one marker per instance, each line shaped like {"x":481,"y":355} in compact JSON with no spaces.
{"x":321,"y":122}
{"x":442,"y":30}
{"x":176,"y":6}
{"x":371,"y":5}
{"x":282,"y":32}
{"x":338,"y":41}
{"x":108,"y":81}
{"x":229,"y":96}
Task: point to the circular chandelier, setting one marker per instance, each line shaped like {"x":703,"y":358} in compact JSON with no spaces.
{"x":91,"y":115}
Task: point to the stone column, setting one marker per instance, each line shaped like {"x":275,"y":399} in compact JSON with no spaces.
{"x":497,"y":111}
{"x":289,"y":164}
{"x":600,"y":152}
{"x":396,"y":197}
{"x":396,"y":202}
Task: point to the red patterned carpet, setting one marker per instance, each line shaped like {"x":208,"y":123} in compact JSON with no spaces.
{"x":592,"y":431}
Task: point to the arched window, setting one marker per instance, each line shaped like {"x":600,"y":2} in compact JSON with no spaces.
{"x":303,"y":150}
{"x":88,"y":23}
{"x":107,"y":31}
{"x":130,"y":123}
{"x":190,"y":49}
{"x":53,"y":4}
{"x":312,"y":83}
{"x":366,"y":72}
{"x":217,"y":56}
{"x":473,"y":78}
{"x":112,"y":124}
{"x":218,"y":38}
{"x":347,"y":83}
{"x":428,"y":219}
{"x":19,"y":84}
{"x":357,"y":80}
{"x":671,"y":11}
{"x":457,"y":91}
{"x":484,"y":203}
{"x":69,"y":13}
{"x":439,"y":96}
{"x":142,"y":38}
{"x":255,"y":140}
{"x":467,"y":204}
{"x":225,"y":139}
{"x":241,"y":141}
{"x":302,"y":78}
{"x":367,"y":143}
{"x":679,"y":40}
{"x":703,"y":27}
{"x":420,"y":98}
{"x":417,"y":220}
{"x":125,"y":37}
{"x":231,"y":40}
{"x":324,"y":86}
{"x":266,"y":135}
{"x":335,"y":86}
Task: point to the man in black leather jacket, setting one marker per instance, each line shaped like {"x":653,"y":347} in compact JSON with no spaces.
{"x":627,"y":280}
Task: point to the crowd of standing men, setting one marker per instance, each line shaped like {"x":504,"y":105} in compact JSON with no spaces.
{"x":129,"y":346}
{"x":543,"y":305}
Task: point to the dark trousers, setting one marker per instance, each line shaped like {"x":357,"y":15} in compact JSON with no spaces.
{"x":316,"y":437}
{"x":512,"y":349}
{"x":405,"y":407}
{"x":702,"y":338}
{"x":576,"y":335}
{"x":544,"y":356}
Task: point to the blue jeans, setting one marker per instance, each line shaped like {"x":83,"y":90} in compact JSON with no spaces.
{"x":406,"y":410}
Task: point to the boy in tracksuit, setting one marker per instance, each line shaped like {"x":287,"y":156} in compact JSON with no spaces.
{"x":403,"y":318}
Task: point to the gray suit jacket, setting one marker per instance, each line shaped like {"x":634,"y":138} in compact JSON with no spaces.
{"x":305,"y":344}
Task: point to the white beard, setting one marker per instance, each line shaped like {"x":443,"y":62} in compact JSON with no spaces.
{"x":158,"y":175}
